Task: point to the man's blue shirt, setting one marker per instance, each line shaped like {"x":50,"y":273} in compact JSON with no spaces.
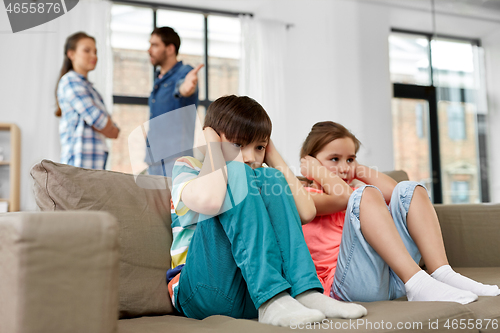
{"x":170,"y":135}
{"x":165,"y":96}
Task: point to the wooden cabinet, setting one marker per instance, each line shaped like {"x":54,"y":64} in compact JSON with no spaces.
{"x":10,"y":165}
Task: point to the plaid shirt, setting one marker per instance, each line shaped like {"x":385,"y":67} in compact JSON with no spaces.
{"x":82,"y":108}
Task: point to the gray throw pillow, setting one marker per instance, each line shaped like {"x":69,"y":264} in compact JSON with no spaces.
{"x":143,"y":214}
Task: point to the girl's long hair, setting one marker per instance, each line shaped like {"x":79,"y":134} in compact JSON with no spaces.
{"x":71,"y":43}
{"x":323,"y":133}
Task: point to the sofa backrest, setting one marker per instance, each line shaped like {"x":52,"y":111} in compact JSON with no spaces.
{"x":398,"y":175}
{"x":143,"y":213}
{"x":470,"y":234}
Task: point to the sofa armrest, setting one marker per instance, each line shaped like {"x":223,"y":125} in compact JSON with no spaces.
{"x":471,"y":234}
{"x":58,"y":272}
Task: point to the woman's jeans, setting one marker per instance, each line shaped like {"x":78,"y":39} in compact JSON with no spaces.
{"x":250,"y":252}
{"x":362,"y":275}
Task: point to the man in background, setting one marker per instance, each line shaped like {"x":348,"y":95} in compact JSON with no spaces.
{"x":175,"y":87}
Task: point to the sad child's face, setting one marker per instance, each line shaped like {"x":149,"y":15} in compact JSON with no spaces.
{"x":252,"y":154}
{"x":339,"y":156}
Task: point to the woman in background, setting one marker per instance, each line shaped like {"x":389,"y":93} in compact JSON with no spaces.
{"x":84,"y":123}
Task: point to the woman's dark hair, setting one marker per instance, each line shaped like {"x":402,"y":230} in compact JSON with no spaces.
{"x":240,"y":118}
{"x":71,"y":43}
{"x":323,"y":133}
{"x":168,"y":36}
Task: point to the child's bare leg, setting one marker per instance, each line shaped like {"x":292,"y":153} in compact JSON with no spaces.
{"x":380,"y":232}
{"x":424,"y":228}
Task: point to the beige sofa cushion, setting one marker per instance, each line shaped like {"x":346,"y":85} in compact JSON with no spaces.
{"x":384,"y":316}
{"x":144,"y":225}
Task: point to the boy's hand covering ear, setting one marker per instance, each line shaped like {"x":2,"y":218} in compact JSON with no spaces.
{"x":211,"y":135}
{"x":271,"y":154}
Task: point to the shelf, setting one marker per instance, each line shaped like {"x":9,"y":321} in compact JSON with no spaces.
{"x":14,"y":166}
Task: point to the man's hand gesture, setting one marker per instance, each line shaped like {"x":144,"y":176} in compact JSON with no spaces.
{"x":188,"y":87}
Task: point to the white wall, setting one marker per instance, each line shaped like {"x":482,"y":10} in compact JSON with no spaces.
{"x":30,"y":62}
{"x":22,"y":77}
{"x":491,"y":43}
{"x":337,"y":69}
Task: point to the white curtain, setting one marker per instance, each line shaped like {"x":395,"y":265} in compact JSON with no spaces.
{"x":262,"y":74}
{"x":30,"y":62}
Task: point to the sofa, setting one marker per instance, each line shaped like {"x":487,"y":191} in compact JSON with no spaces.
{"x":94,"y":259}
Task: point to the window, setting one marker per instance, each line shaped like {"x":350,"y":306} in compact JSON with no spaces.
{"x":409,"y":61}
{"x":211,"y":38}
{"x":130,"y":31}
{"x":460,"y":192}
{"x":411,"y":146}
{"x":438,"y":88}
{"x":456,"y":122}
{"x":419,"y":120}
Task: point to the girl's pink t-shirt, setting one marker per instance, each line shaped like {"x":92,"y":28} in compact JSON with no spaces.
{"x":323,"y":236}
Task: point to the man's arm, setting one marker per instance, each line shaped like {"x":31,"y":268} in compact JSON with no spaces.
{"x":188,"y":87}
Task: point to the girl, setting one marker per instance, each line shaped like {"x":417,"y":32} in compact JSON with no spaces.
{"x":85,"y":122}
{"x":238,"y":248}
{"x":363,"y":250}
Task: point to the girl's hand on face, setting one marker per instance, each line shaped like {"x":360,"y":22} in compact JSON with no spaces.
{"x":308,"y":166}
{"x":355,"y":166}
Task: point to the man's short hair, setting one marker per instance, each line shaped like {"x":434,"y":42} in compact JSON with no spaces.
{"x":168,"y":36}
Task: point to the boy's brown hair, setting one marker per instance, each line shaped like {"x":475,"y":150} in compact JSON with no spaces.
{"x":240,"y":118}
{"x":323,"y":133}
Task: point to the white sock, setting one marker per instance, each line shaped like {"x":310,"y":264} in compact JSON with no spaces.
{"x":329,"y":306}
{"x":421,"y":287}
{"x":447,"y":275}
{"x":284,"y":310}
